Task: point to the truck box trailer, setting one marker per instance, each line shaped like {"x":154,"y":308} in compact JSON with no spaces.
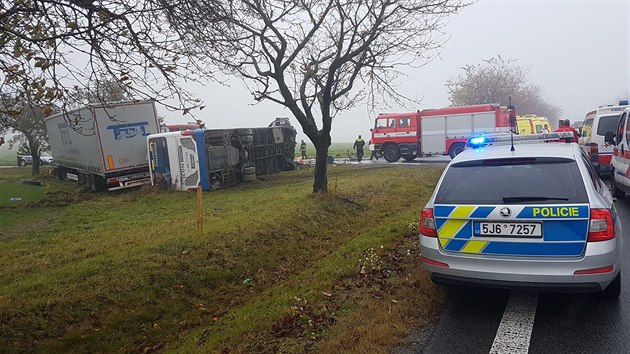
{"x":441,"y":131}
{"x":103,"y":145}
{"x":219,"y":157}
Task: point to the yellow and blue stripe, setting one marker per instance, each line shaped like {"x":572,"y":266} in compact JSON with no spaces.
{"x":562,"y":235}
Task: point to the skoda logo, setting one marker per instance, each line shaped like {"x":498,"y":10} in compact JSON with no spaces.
{"x":505,"y":212}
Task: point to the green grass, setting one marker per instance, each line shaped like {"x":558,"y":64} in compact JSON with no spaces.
{"x":277,"y":268}
{"x":335,"y":150}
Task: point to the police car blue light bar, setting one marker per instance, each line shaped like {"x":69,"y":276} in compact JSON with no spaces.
{"x":477,"y":141}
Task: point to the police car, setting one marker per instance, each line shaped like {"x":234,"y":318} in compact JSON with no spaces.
{"x":531,"y":214}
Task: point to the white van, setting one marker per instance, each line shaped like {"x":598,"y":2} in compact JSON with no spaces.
{"x":620,"y":180}
{"x":596,"y":124}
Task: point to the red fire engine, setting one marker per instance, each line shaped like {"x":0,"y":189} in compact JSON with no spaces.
{"x":442,"y":131}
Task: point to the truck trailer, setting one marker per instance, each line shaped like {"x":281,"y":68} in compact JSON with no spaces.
{"x":218,"y":158}
{"x":103,"y":145}
{"x":429,"y":132}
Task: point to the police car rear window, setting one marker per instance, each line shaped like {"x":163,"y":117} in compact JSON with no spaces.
{"x":517,"y":181}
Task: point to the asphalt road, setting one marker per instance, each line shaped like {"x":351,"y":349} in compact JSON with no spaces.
{"x":474,"y":319}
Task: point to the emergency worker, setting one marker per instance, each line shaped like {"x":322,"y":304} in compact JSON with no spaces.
{"x":358,"y":145}
{"x":22,"y":150}
{"x":563,"y":126}
{"x":303,"y":150}
{"x":373,"y":153}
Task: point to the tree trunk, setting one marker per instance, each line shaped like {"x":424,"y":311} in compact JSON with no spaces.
{"x":320,"y":185}
{"x":35,"y":154}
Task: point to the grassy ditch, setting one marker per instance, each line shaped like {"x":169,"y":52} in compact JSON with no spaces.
{"x":277,"y":268}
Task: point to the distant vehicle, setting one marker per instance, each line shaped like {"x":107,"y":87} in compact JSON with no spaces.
{"x":578,"y":125}
{"x":532,"y":124}
{"x":165,"y":128}
{"x":28,"y":160}
{"x":103,"y":145}
{"x":481,"y":228}
{"x":597,"y":123}
{"x":219,"y":158}
{"x":441,"y":131}
{"x":620,"y":162}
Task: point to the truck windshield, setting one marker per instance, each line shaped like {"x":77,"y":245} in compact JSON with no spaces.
{"x":506,"y":181}
{"x":607,"y":124}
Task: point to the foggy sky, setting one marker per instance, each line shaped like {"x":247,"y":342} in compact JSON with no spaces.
{"x":577,"y":51}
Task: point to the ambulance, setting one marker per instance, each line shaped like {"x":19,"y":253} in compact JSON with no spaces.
{"x":620,"y":160}
{"x":532,"y":124}
{"x":597,"y":123}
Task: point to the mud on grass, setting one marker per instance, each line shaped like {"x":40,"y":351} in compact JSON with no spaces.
{"x":277,"y":268}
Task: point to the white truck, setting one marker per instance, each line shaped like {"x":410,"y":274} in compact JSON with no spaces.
{"x":103,"y":145}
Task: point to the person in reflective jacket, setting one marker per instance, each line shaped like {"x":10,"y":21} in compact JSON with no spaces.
{"x":358,"y":146}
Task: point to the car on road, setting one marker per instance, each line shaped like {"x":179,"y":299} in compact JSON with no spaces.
{"x":537,"y":217}
{"x":24,"y":160}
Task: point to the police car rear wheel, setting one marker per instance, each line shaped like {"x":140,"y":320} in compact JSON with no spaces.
{"x":613,"y":291}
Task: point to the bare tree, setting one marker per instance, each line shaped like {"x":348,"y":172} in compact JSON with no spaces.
{"x":316,"y":58}
{"x":494,"y":81}
{"x":50,"y":46}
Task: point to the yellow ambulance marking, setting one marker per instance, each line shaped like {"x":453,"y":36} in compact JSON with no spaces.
{"x":450,"y":228}
{"x":474,"y":246}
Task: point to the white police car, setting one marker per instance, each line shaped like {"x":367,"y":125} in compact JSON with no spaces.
{"x":537,"y":217}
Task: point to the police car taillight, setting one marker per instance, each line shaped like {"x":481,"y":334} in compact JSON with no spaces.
{"x":601,"y":227}
{"x":427,"y":223}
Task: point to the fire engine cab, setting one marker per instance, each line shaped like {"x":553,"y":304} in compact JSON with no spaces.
{"x":441,"y":131}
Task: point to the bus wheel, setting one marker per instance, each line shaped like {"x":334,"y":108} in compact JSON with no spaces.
{"x":456,"y":149}
{"x":391,"y":153}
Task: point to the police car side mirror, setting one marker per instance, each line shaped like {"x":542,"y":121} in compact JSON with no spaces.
{"x":609,"y":138}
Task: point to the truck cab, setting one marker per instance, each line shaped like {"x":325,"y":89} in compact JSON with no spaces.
{"x":396,"y":135}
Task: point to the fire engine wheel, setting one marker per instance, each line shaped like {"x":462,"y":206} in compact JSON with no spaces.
{"x":456,"y":149}
{"x":391,"y":153}
{"x":409,"y":157}
{"x":616,"y":192}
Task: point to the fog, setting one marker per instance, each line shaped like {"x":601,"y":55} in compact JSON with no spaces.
{"x":577,"y":51}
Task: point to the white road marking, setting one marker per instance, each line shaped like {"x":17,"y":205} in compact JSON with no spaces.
{"x":515,"y":329}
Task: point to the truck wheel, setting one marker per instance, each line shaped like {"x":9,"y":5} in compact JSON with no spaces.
{"x":409,"y":157}
{"x":456,"y":149}
{"x":614,"y":189}
{"x":391,"y":153}
{"x":613,"y":290}
{"x":99,"y":183}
